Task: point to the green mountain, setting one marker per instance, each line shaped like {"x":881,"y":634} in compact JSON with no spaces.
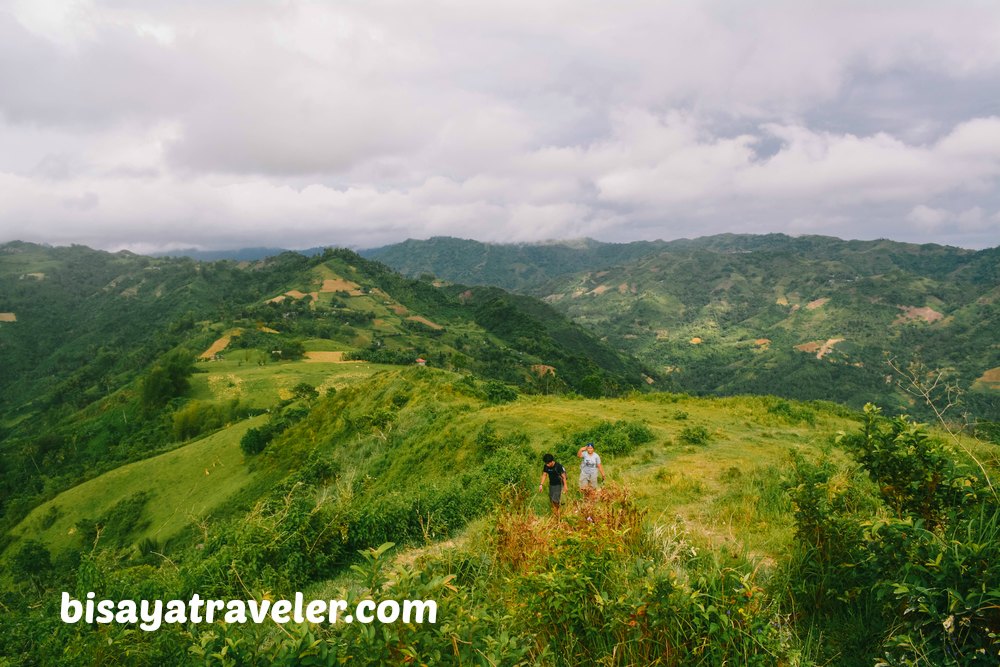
{"x":100,"y":348}
{"x":249,"y":431}
{"x":518,"y":267}
{"x":809,"y":317}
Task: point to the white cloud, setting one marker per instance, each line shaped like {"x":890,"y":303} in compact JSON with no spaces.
{"x":300,"y":123}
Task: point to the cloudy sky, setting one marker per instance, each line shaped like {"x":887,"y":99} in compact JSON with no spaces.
{"x":161,"y":124}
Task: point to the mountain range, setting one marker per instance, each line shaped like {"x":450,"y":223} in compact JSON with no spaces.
{"x":808,"y":317}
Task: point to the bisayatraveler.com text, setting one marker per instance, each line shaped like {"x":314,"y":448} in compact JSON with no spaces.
{"x":149,"y":615}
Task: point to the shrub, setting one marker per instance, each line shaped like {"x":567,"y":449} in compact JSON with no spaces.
{"x":305,"y":391}
{"x":793,"y":414}
{"x":498,"y":392}
{"x":917,"y":474}
{"x":255,"y":440}
{"x":620,"y":437}
{"x":694,"y":435}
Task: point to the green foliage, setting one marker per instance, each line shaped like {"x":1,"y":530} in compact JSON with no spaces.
{"x":167,"y":379}
{"x":696,"y":434}
{"x":305,"y":391}
{"x":255,"y":440}
{"x":31,"y":562}
{"x":916,"y":584}
{"x":498,"y":392}
{"x":198,"y":417}
{"x":124,"y":519}
{"x":917,"y":474}
{"x":792,"y":413}
{"x":616,"y":438}
{"x":384,"y":355}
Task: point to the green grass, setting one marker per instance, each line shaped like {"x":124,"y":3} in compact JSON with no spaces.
{"x":187,"y":484}
{"x":264,"y":386}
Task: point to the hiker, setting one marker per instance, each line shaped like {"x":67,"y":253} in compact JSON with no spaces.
{"x":557,"y":480}
{"x":590,"y":466}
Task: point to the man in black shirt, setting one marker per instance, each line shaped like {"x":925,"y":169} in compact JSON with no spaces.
{"x":557,"y":480}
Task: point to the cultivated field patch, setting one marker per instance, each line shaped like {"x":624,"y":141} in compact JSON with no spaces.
{"x":912,"y":314}
{"x":328,"y":357}
{"x":341,"y":285}
{"x":216,"y":347}
{"x":991,"y":378}
{"x":821,"y":348}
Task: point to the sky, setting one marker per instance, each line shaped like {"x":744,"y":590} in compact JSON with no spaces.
{"x":154,"y":125}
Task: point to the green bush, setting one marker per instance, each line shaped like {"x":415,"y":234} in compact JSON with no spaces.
{"x":614,"y":438}
{"x":917,"y":474}
{"x":498,"y":392}
{"x":694,"y":435}
{"x":255,"y":440}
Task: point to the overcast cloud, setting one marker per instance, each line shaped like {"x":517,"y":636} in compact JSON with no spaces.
{"x":150,"y":124}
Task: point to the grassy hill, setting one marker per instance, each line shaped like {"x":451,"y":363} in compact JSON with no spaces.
{"x":703,"y":513}
{"x":113,"y":358}
{"x":809,"y":317}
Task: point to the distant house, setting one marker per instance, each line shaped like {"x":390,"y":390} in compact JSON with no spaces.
{"x":421,"y":362}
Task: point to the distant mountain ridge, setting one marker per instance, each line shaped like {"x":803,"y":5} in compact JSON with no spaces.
{"x":805,"y":317}
{"x":240,"y":255}
{"x":510,"y":266}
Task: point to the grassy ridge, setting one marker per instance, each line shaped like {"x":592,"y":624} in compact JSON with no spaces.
{"x":700,"y":504}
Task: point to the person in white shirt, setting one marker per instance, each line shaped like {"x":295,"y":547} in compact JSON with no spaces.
{"x":590,"y":467}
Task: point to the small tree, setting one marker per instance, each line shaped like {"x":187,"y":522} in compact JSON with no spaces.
{"x":305,"y":390}
{"x":31,"y":562}
{"x":255,"y":440}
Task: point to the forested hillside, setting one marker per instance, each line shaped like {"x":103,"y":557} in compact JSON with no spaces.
{"x":519,"y":267}
{"x":808,"y":317}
